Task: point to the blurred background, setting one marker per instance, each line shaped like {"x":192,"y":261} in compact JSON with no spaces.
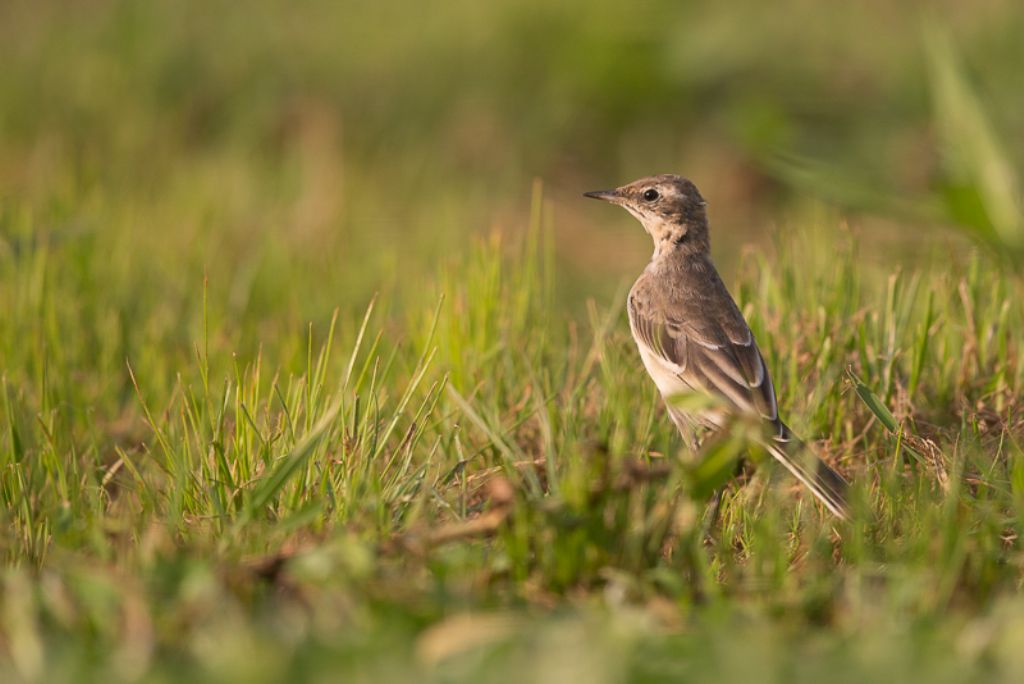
{"x":192,"y":188}
{"x":360,"y":144}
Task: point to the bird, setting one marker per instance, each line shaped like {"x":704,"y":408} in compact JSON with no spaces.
{"x":692,"y":337}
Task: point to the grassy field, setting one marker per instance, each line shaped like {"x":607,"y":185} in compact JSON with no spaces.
{"x":314,"y":364}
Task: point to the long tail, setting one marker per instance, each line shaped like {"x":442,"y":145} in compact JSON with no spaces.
{"x":825,"y":483}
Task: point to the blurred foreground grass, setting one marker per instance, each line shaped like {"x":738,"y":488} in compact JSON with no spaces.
{"x":223,"y":457}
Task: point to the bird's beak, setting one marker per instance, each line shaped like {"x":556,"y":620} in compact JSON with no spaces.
{"x":613,"y":196}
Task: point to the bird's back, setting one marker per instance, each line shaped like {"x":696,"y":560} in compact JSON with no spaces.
{"x":687,"y":325}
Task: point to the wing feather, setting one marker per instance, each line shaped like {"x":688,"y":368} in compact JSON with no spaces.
{"x":704,"y":355}
{"x":705,"y":344}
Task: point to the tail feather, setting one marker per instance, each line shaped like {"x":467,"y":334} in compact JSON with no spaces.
{"x":825,"y":483}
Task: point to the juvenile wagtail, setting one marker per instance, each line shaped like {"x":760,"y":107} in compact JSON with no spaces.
{"x":691,"y":335}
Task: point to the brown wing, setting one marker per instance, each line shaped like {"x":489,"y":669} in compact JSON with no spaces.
{"x":712,"y":350}
{"x":700,"y":341}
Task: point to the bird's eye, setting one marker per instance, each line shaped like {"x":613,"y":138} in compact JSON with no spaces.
{"x":650,"y":194}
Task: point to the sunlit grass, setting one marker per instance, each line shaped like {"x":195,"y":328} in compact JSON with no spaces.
{"x":481,"y":453}
{"x":301,"y":377}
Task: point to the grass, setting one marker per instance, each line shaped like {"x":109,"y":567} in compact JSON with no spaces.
{"x":479,"y":486}
{"x":299,"y":378}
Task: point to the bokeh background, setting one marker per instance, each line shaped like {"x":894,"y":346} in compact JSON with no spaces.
{"x":192,"y":189}
{"x":368,"y":140}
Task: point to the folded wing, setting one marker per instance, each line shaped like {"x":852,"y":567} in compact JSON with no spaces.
{"x":715,"y":352}
{"x":708,"y":356}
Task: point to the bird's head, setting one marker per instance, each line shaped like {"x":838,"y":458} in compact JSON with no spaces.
{"x":670,"y":208}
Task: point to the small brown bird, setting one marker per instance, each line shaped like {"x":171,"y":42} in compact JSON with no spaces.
{"x":691,"y":335}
